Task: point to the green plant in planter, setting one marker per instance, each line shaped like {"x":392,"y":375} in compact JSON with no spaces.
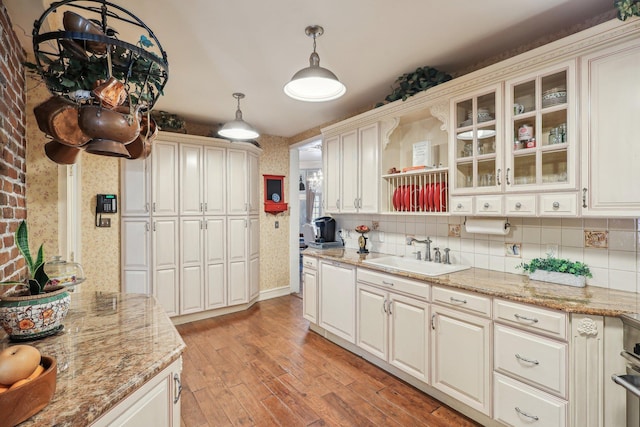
{"x":414,"y":82}
{"x":37,"y":277}
{"x":627,"y":8}
{"x":558,"y":265}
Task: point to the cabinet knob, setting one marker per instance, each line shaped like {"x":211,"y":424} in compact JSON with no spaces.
{"x":459,"y":206}
{"x":518,"y":205}
{"x":556,"y":205}
{"x":486,"y":205}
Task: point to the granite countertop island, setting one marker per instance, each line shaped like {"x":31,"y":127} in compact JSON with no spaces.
{"x":588,"y":300}
{"x":111,"y":344}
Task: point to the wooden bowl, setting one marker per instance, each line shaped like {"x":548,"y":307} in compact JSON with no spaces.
{"x":23,"y":402}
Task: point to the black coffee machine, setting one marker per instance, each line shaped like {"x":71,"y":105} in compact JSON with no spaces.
{"x":326,"y":229}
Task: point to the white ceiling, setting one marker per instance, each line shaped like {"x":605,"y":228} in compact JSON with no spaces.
{"x":218,"y":47}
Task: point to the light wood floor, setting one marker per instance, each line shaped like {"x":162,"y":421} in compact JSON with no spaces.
{"x":263,"y":367}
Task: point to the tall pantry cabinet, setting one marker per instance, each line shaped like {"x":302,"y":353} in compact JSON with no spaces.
{"x":190,"y":224}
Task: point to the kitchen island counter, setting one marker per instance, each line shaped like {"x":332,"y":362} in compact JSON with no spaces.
{"x":588,"y":300}
{"x":110,"y":346}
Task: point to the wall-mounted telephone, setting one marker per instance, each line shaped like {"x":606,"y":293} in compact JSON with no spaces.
{"x":108,"y":204}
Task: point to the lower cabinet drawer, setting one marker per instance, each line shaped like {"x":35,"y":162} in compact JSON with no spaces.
{"x":309,"y":262}
{"x":395,"y":283}
{"x":517,"y":404}
{"x":473,"y":303}
{"x":538,"y":361}
{"x":535,"y":319}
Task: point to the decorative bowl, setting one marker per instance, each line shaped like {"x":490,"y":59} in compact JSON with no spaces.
{"x":554,"y":96}
{"x":23,"y":402}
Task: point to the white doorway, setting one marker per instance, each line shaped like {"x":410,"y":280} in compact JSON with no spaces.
{"x":305,"y":163}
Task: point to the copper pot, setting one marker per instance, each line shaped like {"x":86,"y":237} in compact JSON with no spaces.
{"x":141,"y":146}
{"x":60,"y":153}
{"x":58,"y":117}
{"x":100,"y":123}
{"x":76,"y":23}
{"x":105,"y":147}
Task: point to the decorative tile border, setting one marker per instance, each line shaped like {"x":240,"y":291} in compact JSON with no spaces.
{"x":596,"y":239}
{"x":512,"y":249}
{"x":454,"y":230}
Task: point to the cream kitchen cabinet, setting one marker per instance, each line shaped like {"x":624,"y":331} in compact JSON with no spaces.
{"x":237,"y":233}
{"x":164,"y":178}
{"x":610,"y":150}
{"x":352,"y":172}
{"x":461,"y":356}
{"x":156,"y":403}
{"x":136,"y":255}
{"x":310,"y":289}
{"x":337,"y":299}
{"x":202,"y":180}
{"x":243,"y":191}
{"x":166,"y":263}
{"x":135,"y":199}
{"x":254,"y":257}
{"x":393,"y":328}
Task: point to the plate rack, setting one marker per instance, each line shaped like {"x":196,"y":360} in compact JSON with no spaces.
{"x":422,"y":191}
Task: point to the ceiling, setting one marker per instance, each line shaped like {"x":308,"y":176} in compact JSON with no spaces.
{"x":219,"y":47}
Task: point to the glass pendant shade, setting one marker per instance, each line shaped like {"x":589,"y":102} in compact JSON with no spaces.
{"x":314,"y":83}
{"x":238,"y":128}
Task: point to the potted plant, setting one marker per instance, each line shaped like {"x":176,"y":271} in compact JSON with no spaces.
{"x":556,"y":270}
{"x":33,"y":308}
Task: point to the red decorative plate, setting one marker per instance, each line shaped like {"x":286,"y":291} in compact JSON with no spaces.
{"x":429,"y":202}
{"x":421,"y":198}
{"x":436,"y":197}
{"x":443,"y":198}
{"x":410,"y":198}
{"x":396,"y":199}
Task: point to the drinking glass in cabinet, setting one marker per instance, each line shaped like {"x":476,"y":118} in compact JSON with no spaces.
{"x":554,"y":166}
{"x":464,"y":175}
{"x":554,"y":126}
{"x":486,"y":173}
{"x":524,"y":97}
{"x":524,"y":169}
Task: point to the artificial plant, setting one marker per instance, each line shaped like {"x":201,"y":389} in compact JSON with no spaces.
{"x":558,"y":265}
{"x":414,"y":82}
{"x":37,"y":278}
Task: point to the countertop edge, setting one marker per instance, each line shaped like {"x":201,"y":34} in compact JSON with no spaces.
{"x":521,"y":283}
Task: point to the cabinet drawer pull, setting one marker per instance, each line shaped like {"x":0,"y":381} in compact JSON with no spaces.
{"x":584,"y":197}
{"x":518,"y":205}
{"x":384,"y":282}
{"x":433,"y":324}
{"x":384,"y":306}
{"x":146,"y":207}
{"x":498,"y":177}
{"x":201,"y":206}
{"x":456,"y":300}
{"x":556,"y":205}
{"x":524,"y":414}
{"x":528,"y":319}
{"x":486,"y":205}
{"x":154,"y":206}
{"x":524,"y":359}
{"x":178,"y":383}
{"x":506,"y":176}
{"x":389,"y":307}
{"x":459,"y":206}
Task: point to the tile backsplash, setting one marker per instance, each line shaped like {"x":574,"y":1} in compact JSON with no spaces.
{"x":608,"y":246}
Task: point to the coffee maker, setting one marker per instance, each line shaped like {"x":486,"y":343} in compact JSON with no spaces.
{"x":326,"y":229}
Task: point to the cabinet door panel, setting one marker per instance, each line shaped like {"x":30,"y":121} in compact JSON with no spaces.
{"x":237,"y":282}
{"x":409,"y":346}
{"x":165,"y":289}
{"x":254,"y":184}
{"x":373,"y":333}
{"x":164,"y":183}
{"x":135,"y":282}
{"x":134,"y":188}
{"x":254,"y":237}
{"x":191,"y":180}
{"x":165,"y":263}
{"x":237,"y":241}
{"x":135,"y":255}
{"x":216,"y":286}
{"x":349,"y":172}
{"x":237,"y":197}
{"x":610,"y":147}
{"x":191,"y":266}
{"x":215,"y":240}
{"x":460,"y":361}
{"x":215,"y":171}
{"x":254,"y":277}
{"x":332,"y":173}
{"x":369,"y":171}
{"x":338,"y":300}
{"x":310,"y":295}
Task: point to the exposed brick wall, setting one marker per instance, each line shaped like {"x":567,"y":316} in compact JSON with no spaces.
{"x":12,"y":148}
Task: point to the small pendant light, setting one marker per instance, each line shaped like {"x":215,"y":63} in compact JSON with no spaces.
{"x":238,"y":128}
{"x":314,"y":83}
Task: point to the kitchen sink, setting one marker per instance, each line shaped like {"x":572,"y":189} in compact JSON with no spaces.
{"x":426,"y":268}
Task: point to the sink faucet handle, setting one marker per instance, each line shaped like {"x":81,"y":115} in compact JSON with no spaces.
{"x":446,"y":259}
{"x":436,"y":255}
{"x":418,"y":255}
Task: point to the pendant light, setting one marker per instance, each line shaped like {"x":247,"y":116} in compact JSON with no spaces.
{"x":314,"y":83}
{"x":238,"y":128}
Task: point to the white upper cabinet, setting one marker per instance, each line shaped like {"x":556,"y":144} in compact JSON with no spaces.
{"x":135,"y":188}
{"x":541,"y":132}
{"x":237,"y":194}
{"x":191,"y":185}
{"x":253,"y":184}
{"x":215,"y":180}
{"x":164,"y":175}
{"x":352,"y":172}
{"x":610,"y":149}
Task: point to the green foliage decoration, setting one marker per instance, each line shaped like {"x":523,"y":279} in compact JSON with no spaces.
{"x":414,"y":82}
{"x":558,"y":265}
{"x":627,"y":8}
{"x":37,"y":277}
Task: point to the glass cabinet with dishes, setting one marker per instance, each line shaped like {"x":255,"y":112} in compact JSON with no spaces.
{"x":540,"y":132}
{"x":477,"y":146}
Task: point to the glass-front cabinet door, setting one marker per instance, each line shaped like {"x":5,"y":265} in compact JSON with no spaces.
{"x":477,"y":148}
{"x":541,"y":131}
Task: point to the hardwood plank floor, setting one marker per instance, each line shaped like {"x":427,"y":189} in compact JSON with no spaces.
{"x":263,"y":367}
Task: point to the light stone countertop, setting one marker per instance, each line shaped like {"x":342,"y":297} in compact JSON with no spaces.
{"x":111,"y":344}
{"x":588,"y":300}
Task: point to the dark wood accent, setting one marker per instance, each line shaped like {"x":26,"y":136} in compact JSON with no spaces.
{"x":263,"y":367}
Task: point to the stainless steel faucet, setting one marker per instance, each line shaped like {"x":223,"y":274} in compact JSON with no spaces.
{"x":446,"y":259}
{"x":427,"y":241}
{"x":436,"y":255}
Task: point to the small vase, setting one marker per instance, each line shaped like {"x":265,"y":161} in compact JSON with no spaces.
{"x":559,"y":278}
{"x":32,"y":317}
